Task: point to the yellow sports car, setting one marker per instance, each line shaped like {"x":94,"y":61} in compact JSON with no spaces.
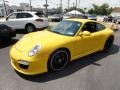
{"x":52,"y":49}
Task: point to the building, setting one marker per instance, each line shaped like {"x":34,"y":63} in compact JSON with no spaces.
{"x":24,"y":7}
{"x":2,"y":10}
{"x":116,"y":11}
{"x":13,"y":8}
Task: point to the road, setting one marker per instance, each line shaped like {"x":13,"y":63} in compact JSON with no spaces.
{"x":99,"y":71}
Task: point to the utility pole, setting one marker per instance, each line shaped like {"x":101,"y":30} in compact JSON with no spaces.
{"x":76,"y":8}
{"x":30,"y":6}
{"x":73,"y":5}
{"x":61,"y":5}
{"x":46,"y":10}
{"x":76,"y":4}
{"x":68,"y":3}
{"x":5,"y":8}
{"x":79,"y":4}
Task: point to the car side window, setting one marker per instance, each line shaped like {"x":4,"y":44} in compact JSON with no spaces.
{"x":12,"y":16}
{"x":89,"y":26}
{"x":39,"y":14}
{"x":99,"y":27}
{"x":28,"y":15}
{"x":23,"y":15}
{"x":20,"y":15}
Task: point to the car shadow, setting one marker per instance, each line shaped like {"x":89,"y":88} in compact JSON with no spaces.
{"x":20,"y":31}
{"x":73,"y":67}
{"x":6,"y":43}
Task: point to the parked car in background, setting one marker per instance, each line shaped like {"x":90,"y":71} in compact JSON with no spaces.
{"x":65,"y":16}
{"x":110,"y":19}
{"x":92,"y":17}
{"x":79,"y":16}
{"x":116,"y":19}
{"x":55,"y":17}
{"x":30,"y":21}
{"x":6,"y":32}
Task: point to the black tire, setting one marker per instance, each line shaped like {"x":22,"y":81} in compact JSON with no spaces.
{"x":108,"y":43}
{"x":58,"y":60}
{"x":6,"y":39}
{"x":30,"y":28}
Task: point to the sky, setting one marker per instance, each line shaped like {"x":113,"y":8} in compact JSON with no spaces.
{"x":55,"y":3}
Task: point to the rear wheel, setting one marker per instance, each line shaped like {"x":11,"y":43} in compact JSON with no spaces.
{"x":58,"y":60}
{"x":108,"y":43}
{"x":30,"y":28}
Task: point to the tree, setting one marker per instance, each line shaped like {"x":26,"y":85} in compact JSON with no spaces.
{"x":74,"y":8}
{"x":104,"y":9}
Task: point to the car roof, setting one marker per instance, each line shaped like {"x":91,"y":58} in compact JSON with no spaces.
{"x":26,"y":12}
{"x":80,"y":20}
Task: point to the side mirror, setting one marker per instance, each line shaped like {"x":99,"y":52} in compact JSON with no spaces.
{"x":6,"y":18}
{"x":85,"y":33}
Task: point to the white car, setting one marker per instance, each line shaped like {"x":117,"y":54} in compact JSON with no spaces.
{"x":92,"y":17}
{"x":67,"y":16}
{"x":30,"y":21}
{"x":116,"y":19}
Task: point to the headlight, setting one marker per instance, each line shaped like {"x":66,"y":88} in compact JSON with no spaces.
{"x":35,"y":50}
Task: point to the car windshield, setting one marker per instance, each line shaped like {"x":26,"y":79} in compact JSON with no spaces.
{"x":66,"y":27}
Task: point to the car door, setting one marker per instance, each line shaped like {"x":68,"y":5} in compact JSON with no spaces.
{"x":23,"y":19}
{"x":97,"y":37}
{"x":87,"y":44}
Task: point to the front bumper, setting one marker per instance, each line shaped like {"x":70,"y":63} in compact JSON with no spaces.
{"x":36,"y":65}
{"x":33,"y":69}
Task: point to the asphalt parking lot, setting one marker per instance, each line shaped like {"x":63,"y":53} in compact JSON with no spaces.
{"x":99,"y":71}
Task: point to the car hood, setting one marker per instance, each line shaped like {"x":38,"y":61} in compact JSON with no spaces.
{"x":43,"y":38}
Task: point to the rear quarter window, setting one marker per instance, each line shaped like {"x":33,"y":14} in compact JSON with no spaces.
{"x":24,"y":15}
{"x":28,"y":15}
{"x":99,"y":27}
{"x":39,"y":14}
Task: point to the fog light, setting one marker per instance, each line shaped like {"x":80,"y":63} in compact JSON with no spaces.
{"x":23,"y":62}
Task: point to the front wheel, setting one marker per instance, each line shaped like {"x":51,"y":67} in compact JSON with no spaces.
{"x":30,"y":28}
{"x":58,"y":60}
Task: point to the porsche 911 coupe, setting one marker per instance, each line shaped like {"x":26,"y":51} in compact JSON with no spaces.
{"x":53,"y":49}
